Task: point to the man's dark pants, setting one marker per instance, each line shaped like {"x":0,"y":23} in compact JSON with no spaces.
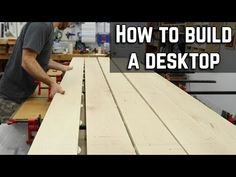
{"x":7,"y":108}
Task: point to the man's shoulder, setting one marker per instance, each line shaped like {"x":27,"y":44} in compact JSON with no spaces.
{"x":44,"y":26}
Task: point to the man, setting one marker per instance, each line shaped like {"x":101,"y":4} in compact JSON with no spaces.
{"x":28,"y":63}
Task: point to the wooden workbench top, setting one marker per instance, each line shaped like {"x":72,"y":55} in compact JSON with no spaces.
{"x":59,"y":57}
{"x":70,"y":56}
{"x":132,"y":113}
{"x":32,"y":108}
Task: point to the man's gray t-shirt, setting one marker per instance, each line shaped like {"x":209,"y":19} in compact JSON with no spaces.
{"x":17,"y":85}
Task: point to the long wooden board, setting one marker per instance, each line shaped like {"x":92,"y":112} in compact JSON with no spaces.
{"x":68,"y":57}
{"x":32,"y":108}
{"x":218,"y":128}
{"x":149,"y":134}
{"x":198,"y":129}
{"x":59,"y":132}
{"x":106,"y":132}
{"x":59,"y":57}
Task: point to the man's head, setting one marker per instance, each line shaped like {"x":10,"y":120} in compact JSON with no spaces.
{"x":61,"y":25}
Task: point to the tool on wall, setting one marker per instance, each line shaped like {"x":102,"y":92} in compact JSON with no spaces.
{"x":5,"y":30}
{"x":2,"y":30}
{"x":57,"y":35}
{"x":68,"y":35}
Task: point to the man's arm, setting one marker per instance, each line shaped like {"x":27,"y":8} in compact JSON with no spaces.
{"x":54,"y":65}
{"x":31,"y":66}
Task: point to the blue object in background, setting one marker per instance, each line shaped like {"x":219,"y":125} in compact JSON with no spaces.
{"x":103,"y":38}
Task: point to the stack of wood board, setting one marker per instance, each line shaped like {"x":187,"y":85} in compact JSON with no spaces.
{"x":130,"y":113}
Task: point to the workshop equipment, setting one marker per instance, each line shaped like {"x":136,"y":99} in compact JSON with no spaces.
{"x":182,"y":83}
{"x":51,"y":73}
{"x":68,"y":35}
{"x":228,"y":116}
{"x":33,"y":125}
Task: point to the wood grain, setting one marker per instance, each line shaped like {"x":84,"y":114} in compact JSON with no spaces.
{"x":149,"y":134}
{"x":199,"y":129}
{"x":106,"y":132}
{"x":32,"y":108}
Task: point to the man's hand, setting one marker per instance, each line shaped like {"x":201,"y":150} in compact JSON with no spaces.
{"x":58,"y":66}
{"x":67,"y":68}
{"x":56,"y":88}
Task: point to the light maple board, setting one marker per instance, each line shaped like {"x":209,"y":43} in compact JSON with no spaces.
{"x":219,"y":132}
{"x":198,"y":129}
{"x":106,"y":132}
{"x":149,"y":134}
{"x":59,"y":131}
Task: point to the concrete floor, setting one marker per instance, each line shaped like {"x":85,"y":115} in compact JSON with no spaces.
{"x":13,"y":139}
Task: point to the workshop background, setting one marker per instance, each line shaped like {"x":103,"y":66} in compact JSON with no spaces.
{"x":79,"y":38}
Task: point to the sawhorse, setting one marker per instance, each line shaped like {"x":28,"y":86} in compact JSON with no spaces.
{"x":32,"y":128}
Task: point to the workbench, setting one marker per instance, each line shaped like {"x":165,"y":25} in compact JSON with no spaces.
{"x":129,"y":113}
{"x":59,"y":57}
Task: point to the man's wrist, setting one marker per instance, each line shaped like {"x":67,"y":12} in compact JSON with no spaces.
{"x":64,"y":68}
{"x":51,"y":83}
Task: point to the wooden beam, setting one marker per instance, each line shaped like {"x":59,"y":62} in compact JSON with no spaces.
{"x":149,"y":134}
{"x":199,"y":129}
{"x":68,"y":57}
{"x":59,"y":131}
{"x":220,"y":132}
{"x":4,"y":56}
{"x":59,"y":57}
{"x":106,"y":132}
{"x":32,"y":108}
